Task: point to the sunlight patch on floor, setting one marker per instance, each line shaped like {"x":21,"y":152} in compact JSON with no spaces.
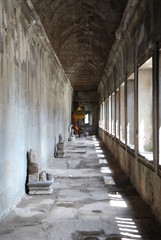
{"x":127,"y":228}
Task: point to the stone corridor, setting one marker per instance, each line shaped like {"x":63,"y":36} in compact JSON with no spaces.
{"x":92,"y":199}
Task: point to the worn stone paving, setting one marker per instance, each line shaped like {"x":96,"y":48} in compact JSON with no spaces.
{"x":93,"y":199}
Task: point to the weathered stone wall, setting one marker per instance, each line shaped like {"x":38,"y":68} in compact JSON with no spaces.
{"x":136,"y":41}
{"x":35,"y":98}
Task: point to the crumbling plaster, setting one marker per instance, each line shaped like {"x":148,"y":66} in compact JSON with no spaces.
{"x":35,"y":98}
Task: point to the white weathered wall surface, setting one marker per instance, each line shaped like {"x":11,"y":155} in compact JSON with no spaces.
{"x":35,"y":98}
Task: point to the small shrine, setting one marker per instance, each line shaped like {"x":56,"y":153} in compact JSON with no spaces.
{"x":72,"y":136}
{"x":39,"y":182}
{"x":78,"y":119}
{"x":60,"y":148}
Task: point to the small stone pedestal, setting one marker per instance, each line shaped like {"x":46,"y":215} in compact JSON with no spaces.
{"x":72,"y":138}
{"x":41,"y":187}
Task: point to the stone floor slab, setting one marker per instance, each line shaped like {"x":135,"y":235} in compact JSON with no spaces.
{"x":92,"y":200}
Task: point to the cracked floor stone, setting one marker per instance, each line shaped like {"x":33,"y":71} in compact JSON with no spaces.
{"x":92,"y":200}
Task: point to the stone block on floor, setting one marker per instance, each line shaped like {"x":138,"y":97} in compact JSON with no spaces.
{"x":41,"y":187}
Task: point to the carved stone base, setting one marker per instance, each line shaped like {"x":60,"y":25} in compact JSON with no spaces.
{"x":41,"y":187}
{"x":72,"y":138}
{"x":59,"y":154}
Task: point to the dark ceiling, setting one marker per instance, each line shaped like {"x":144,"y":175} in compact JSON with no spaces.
{"x":82,"y":33}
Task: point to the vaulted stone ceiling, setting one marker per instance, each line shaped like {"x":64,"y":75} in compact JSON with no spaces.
{"x":82,"y":33}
